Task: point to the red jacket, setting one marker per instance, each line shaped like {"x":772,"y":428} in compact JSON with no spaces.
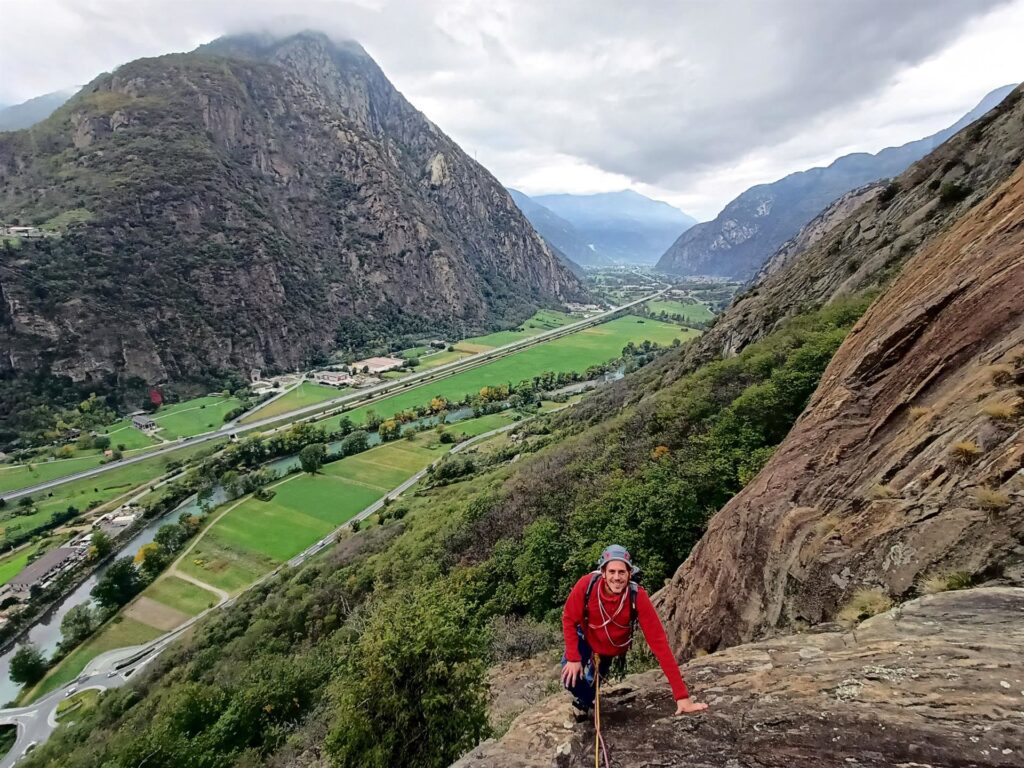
{"x":608,"y":638}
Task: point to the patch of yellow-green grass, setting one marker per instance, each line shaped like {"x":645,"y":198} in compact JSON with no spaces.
{"x":693,"y":311}
{"x":78,"y":704}
{"x":945,"y":582}
{"x":1002,"y":411}
{"x":195,"y":416}
{"x":307,"y":393}
{"x":12,"y":563}
{"x":965,"y":451}
{"x":61,"y":221}
{"x":225,"y":568}
{"x":119,"y":632}
{"x":180,"y":595}
{"x":990,"y":498}
{"x":864,"y":604}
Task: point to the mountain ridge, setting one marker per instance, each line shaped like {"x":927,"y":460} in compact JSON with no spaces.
{"x":751,"y":227}
{"x":291,"y":170}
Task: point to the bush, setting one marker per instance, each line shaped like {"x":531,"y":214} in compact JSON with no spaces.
{"x":519,"y":638}
{"x":965,"y":451}
{"x":945,"y":582}
{"x":953,"y":192}
{"x":864,"y":604}
{"x":991,"y":499}
{"x":890,"y":191}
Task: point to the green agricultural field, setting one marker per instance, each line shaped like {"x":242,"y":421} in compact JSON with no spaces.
{"x":441,"y":358}
{"x":414,"y":352}
{"x":123,"y":433}
{"x":180,"y":595}
{"x":255,"y":536}
{"x":577,"y":352}
{"x":14,"y":476}
{"x":119,"y":632}
{"x":307,"y":393}
{"x":544,"y":320}
{"x":474,"y":427}
{"x":92,"y":491}
{"x":694,"y":311}
{"x":12,"y":563}
{"x":193,"y":417}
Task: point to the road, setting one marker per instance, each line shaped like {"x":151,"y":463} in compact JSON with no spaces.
{"x":361,"y":397}
{"x":113,"y":669}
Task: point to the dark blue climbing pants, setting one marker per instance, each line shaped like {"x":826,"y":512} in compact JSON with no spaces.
{"x":584,"y":688}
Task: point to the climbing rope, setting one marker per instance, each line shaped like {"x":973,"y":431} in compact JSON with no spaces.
{"x":598,"y":738}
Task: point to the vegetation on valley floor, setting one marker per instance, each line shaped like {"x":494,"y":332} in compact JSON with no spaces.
{"x":342,"y":654}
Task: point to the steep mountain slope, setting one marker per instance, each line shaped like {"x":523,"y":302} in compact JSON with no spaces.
{"x":625,"y":226}
{"x":559,"y":232}
{"x":852,"y":247}
{"x":14,"y":117}
{"x":907,"y":462}
{"x":251,"y":204}
{"x":754,"y":225}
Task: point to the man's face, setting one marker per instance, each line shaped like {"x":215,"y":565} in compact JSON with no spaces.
{"x":616,"y":576}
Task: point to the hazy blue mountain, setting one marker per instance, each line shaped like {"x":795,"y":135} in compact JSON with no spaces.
{"x":559,"y":233}
{"x":28,"y":113}
{"x":737,"y":242}
{"x":625,"y":226}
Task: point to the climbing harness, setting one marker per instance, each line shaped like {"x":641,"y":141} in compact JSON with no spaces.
{"x":633,"y":617}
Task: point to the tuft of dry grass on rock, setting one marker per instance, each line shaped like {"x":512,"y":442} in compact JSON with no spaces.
{"x":1002,"y":411}
{"x":918,"y":412}
{"x":989,"y":498}
{"x":945,"y":582}
{"x":1000,"y":375}
{"x":864,"y":604}
{"x":965,"y":451}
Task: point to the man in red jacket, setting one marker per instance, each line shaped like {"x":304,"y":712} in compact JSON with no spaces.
{"x":600,"y":616}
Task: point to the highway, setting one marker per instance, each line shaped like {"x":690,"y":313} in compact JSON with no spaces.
{"x":113,"y":669}
{"x":362,"y":397}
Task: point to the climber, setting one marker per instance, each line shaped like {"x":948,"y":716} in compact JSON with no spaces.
{"x":600,"y":615}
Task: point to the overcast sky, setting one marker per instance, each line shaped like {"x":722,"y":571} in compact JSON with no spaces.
{"x":689,"y":102}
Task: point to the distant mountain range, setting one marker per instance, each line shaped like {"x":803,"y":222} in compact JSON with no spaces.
{"x":753,"y":226}
{"x":607,"y":228}
{"x":17,"y":116}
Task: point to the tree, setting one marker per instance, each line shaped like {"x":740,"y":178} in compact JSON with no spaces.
{"x":100,"y":545}
{"x":389,"y":430}
{"x":27,"y":665}
{"x":77,"y":624}
{"x":101,"y":441}
{"x":312,"y":457}
{"x":118,"y":585}
{"x":417,"y":667}
{"x":357,"y":442}
{"x":151,"y":559}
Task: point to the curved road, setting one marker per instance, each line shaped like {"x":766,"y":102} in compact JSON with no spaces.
{"x":112,"y":669}
{"x":362,"y":396}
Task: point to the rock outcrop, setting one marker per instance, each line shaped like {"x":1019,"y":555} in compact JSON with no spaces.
{"x":936,"y":682}
{"x":256,"y":203}
{"x":737,"y":242}
{"x":906,"y":465}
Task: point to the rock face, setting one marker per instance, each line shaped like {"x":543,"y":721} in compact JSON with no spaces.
{"x":753,"y":226}
{"x":851,"y":247}
{"x":254,"y":203}
{"x":907,"y":464}
{"x":935,"y":682}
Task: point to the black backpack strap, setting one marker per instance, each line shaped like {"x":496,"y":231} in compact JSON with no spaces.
{"x":634,"y":617}
{"x":586,"y":597}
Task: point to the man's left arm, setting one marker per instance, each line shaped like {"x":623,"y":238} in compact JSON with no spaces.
{"x":657,"y":641}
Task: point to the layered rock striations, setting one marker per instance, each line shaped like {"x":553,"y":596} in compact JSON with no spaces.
{"x":935,"y":682}
{"x":255,"y":203}
{"x":906,"y":466}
